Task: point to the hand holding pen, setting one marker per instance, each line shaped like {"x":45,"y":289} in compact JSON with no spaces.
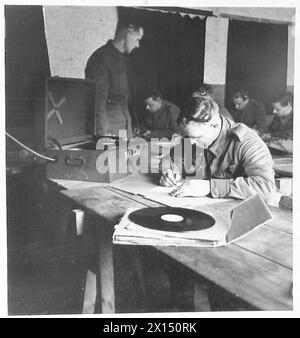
{"x":171,"y":177}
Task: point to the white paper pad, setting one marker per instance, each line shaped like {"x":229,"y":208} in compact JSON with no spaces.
{"x":143,"y":185}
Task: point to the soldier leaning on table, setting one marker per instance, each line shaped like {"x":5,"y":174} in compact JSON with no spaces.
{"x":238,"y":164}
{"x":282,"y":124}
{"x":160,"y":119}
{"x":249,"y":111}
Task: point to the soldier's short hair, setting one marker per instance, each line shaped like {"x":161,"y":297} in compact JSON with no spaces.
{"x":154,"y":93}
{"x":203,"y":90}
{"x":125,"y":25}
{"x":242,"y":93}
{"x":284,"y":98}
{"x":198,"y":109}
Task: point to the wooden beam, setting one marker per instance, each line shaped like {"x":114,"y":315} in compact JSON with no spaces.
{"x":253,"y":19}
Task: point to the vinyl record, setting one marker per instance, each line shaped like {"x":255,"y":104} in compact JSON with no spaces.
{"x":172,"y":219}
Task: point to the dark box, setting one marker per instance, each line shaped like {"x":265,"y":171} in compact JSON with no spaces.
{"x":67,"y":129}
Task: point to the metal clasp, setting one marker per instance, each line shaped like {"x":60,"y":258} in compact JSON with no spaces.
{"x":75,"y":162}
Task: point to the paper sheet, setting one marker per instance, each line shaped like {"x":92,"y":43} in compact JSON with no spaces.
{"x":161,"y":195}
{"x":146,"y":186}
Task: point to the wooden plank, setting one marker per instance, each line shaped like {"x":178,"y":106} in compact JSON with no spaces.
{"x":106,"y":270}
{"x":282,"y":219}
{"x":283,"y":160}
{"x":90,"y":293}
{"x":60,"y":231}
{"x":73,"y":184}
{"x":201,"y":300}
{"x":283,"y":166}
{"x":102,"y":202}
{"x":284,"y":170}
{"x":269,"y":243}
{"x":136,"y":198}
{"x":262,"y":283}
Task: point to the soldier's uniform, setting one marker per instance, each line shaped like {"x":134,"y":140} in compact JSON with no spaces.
{"x":109,"y":67}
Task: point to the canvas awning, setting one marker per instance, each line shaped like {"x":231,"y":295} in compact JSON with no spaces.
{"x":183,"y":11}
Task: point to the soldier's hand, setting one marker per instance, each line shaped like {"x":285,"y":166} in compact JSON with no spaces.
{"x":170,"y":178}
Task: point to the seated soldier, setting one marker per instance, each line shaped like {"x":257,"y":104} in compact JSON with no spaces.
{"x":205,"y":90}
{"x":282,"y":123}
{"x":238,"y":164}
{"x":161,"y":116}
{"x":249,"y":111}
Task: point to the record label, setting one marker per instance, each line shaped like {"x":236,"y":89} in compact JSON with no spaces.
{"x":172,"y":219}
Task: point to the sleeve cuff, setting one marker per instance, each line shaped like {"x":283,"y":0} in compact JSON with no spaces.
{"x":219,"y":188}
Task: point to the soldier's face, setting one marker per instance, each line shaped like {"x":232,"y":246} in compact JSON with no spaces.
{"x":280,"y":110}
{"x":152,"y":105}
{"x":200,"y":133}
{"x":133,"y":38}
{"x":239,"y":103}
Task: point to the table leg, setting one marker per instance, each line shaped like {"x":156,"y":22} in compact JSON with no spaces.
{"x":138,"y":266}
{"x":106,"y":269}
{"x":60,"y":230}
{"x":201,"y":300}
{"x":90,"y":293}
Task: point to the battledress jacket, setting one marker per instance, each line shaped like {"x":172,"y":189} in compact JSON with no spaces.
{"x":238,"y":164}
{"x":253,"y":115}
{"x":111,"y":70}
{"x":163,"y":123}
{"x":280,"y":129}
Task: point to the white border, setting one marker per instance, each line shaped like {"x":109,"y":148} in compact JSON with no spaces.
{"x":183,"y":3}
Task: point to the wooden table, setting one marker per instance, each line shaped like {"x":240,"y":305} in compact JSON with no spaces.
{"x":257,"y":268}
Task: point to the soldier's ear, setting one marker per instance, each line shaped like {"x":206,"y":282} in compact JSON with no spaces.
{"x":184,"y":122}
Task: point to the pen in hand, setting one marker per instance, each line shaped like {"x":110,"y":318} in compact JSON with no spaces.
{"x":175,"y":174}
{"x":177,"y":183}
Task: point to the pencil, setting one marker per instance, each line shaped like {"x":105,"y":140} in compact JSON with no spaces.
{"x":172,"y":168}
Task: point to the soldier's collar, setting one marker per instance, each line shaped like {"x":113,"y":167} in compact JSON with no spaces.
{"x":218,"y":145}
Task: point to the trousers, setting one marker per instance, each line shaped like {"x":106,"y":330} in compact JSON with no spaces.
{"x":116,"y":117}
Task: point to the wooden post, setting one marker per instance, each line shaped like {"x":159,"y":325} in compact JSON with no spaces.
{"x":90,"y":293}
{"x":60,"y":230}
{"x":201,"y":300}
{"x":106,"y":269}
